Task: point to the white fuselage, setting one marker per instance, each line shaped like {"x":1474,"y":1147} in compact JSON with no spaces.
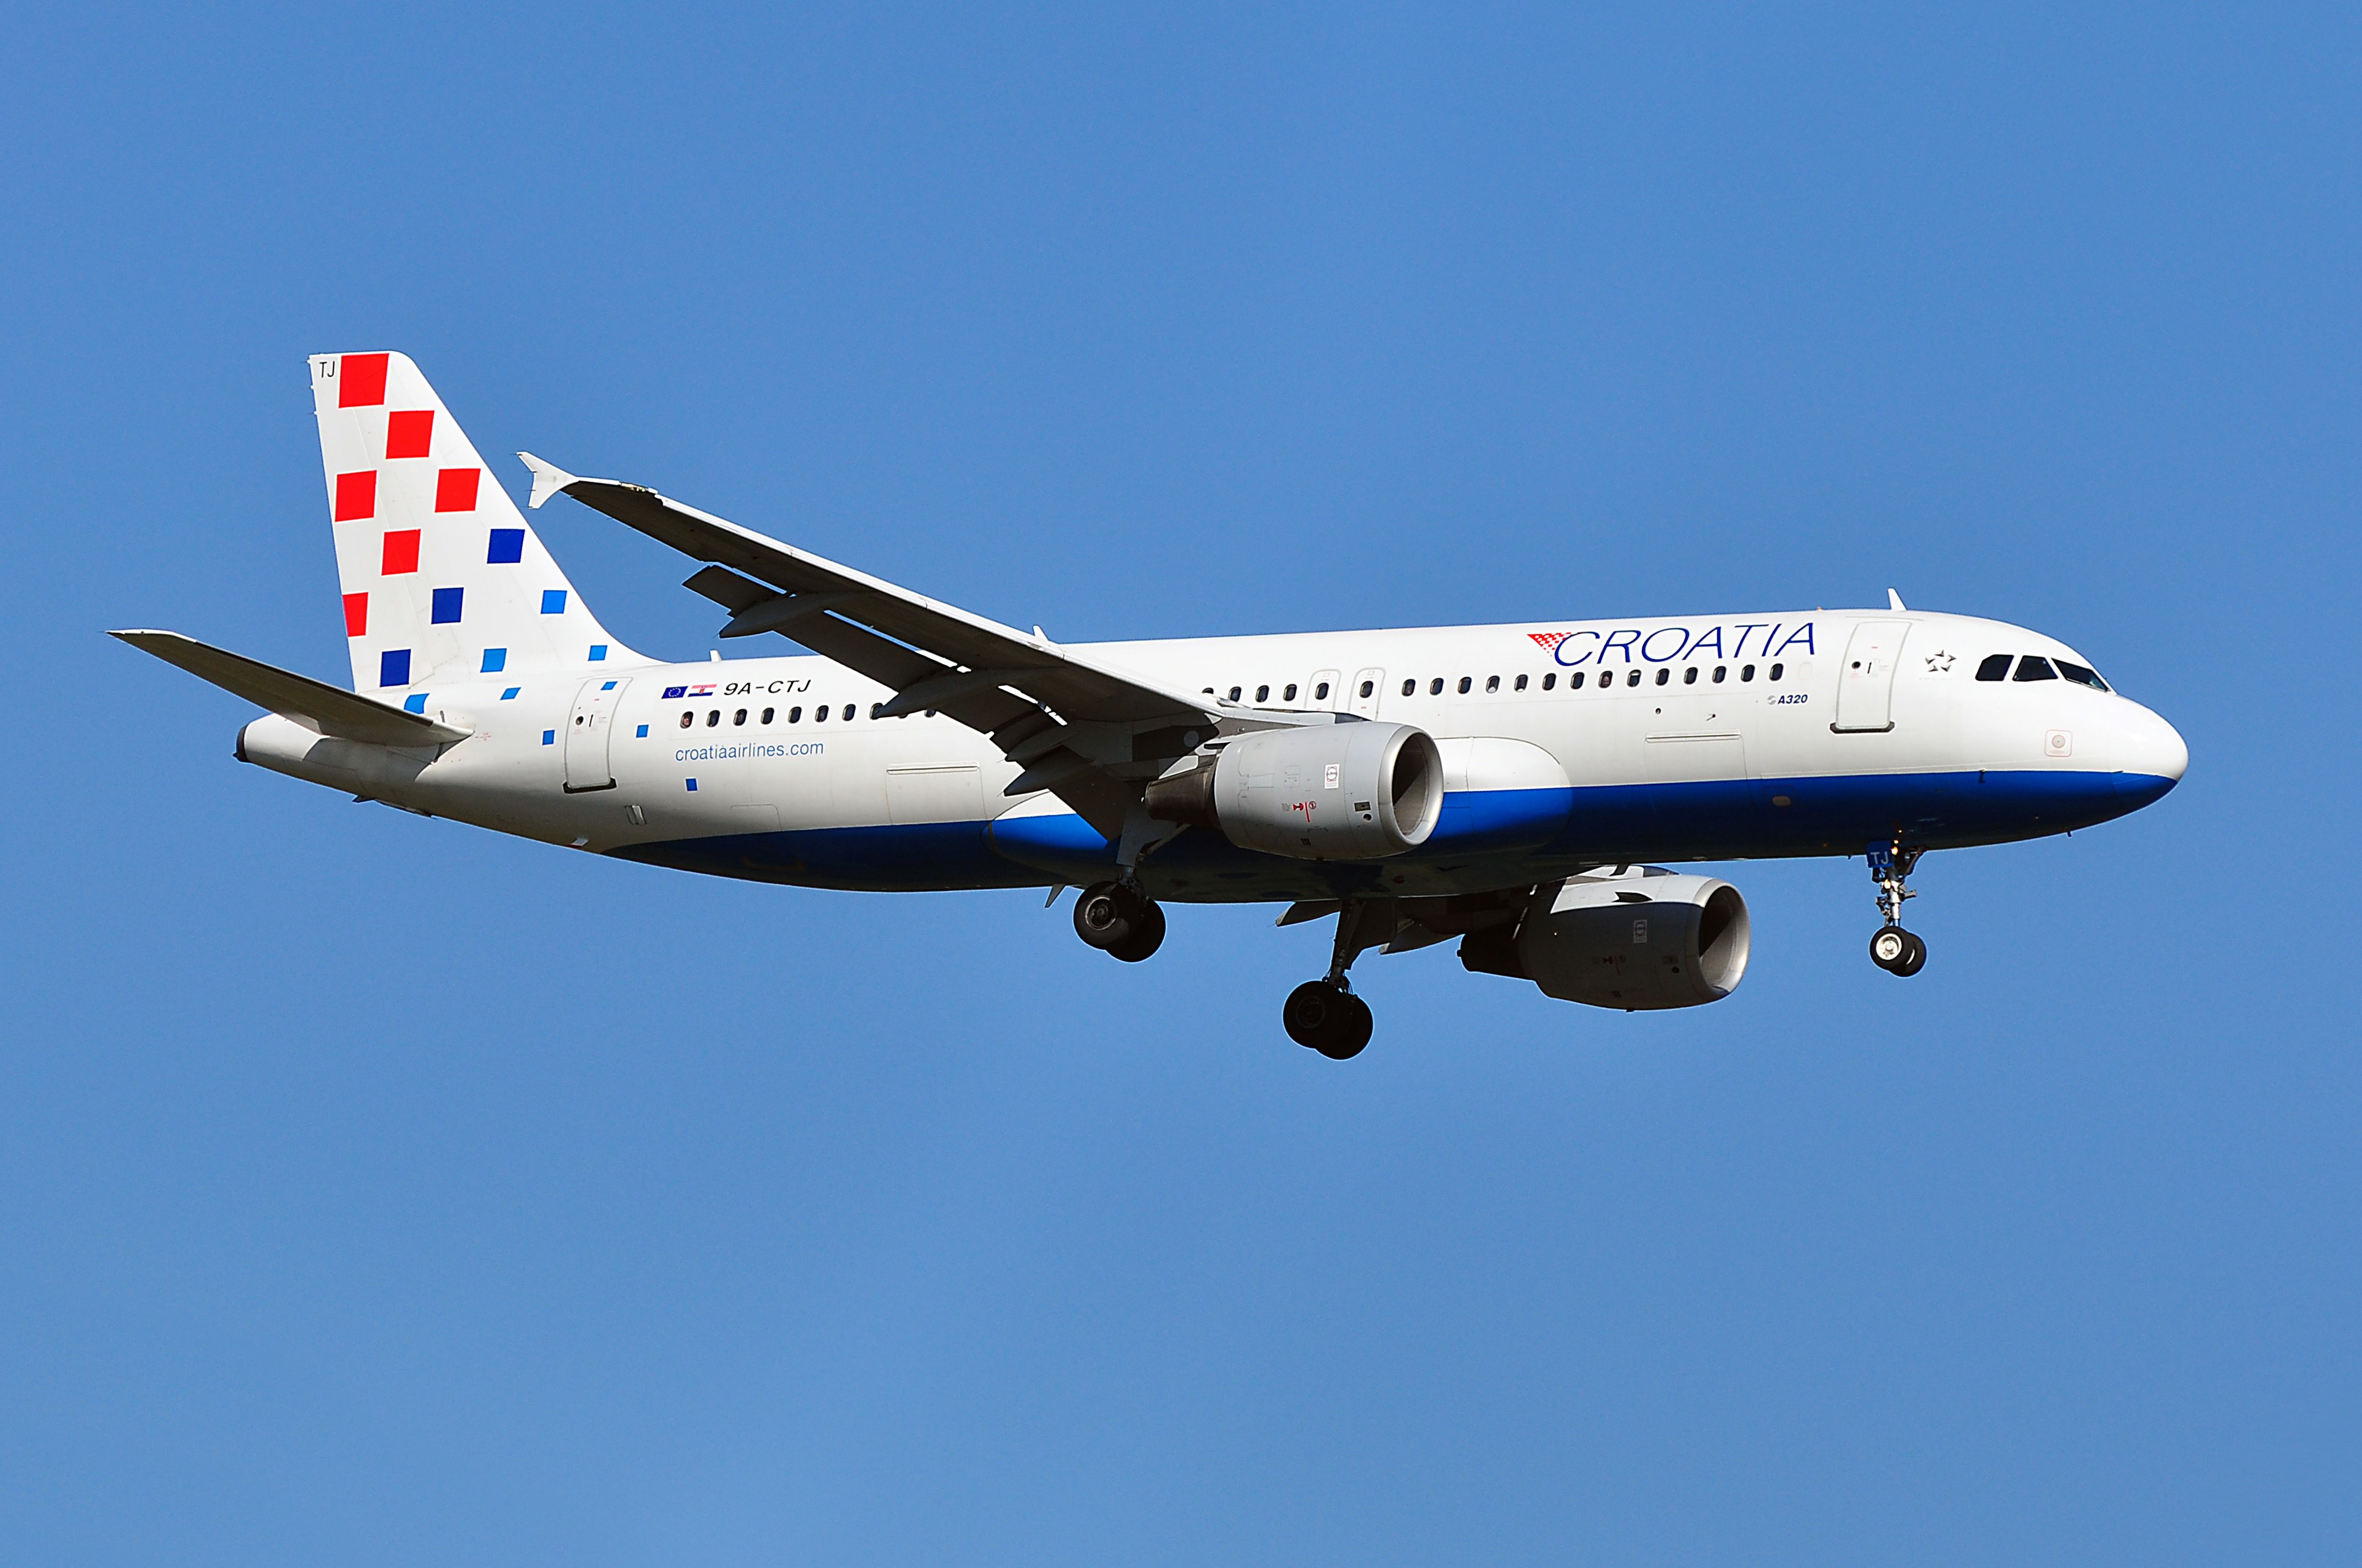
{"x":1772,"y":734}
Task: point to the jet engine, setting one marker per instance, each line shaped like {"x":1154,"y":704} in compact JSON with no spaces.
{"x":1629,"y":937}
{"x":1351,"y":791}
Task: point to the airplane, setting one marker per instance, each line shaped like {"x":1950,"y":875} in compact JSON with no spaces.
{"x":1507,"y":786}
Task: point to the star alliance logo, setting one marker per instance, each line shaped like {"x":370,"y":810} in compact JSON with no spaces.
{"x":1939,"y":662}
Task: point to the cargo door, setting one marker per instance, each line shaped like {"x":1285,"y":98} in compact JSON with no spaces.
{"x":1866,"y":683}
{"x":588,"y":732}
{"x":950,"y":792}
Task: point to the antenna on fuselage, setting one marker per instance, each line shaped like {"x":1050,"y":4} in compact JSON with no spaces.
{"x":1894,"y":600}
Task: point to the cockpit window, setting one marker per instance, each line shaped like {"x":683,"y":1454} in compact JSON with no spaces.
{"x":1995,"y":668}
{"x":2030,"y":668}
{"x":2082,"y":674}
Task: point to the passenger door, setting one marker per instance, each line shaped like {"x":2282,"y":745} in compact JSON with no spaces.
{"x":1866,"y":683}
{"x":1333,"y":699}
{"x":1367,"y":687}
{"x":588,"y":732}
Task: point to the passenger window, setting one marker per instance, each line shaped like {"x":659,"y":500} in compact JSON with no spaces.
{"x":819,"y":714}
{"x":2033,"y":669}
{"x":1409,"y":687}
{"x":876,"y":710}
{"x":1689,"y":676}
{"x":1289,"y":694}
{"x":848,"y":711}
{"x":766,"y":714}
{"x":2082,"y":675}
{"x":1664,"y":675}
{"x":1550,"y":681}
{"x":795,"y":716}
{"x":1234,"y":695}
{"x":1522,"y":683}
{"x":1369,"y":687}
{"x":1435,"y":686}
{"x":1775,"y":670}
{"x":1720,"y":671}
{"x":687,"y":718}
{"x":1574,"y":681}
{"x":713,"y":719}
{"x":741,"y":717}
{"x":1320,"y":692}
{"x":1994,"y":668}
{"x":1263,"y":694}
{"x":1633,"y":679}
{"x":1465,"y":682}
{"x":1746,"y":671}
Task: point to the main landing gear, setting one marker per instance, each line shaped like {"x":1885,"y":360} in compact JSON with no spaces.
{"x":1324,"y":1014}
{"x":1118,"y":919}
{"x":1892,"y":948}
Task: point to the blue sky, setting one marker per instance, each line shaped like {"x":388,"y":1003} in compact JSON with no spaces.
{"x":378,"y":1191}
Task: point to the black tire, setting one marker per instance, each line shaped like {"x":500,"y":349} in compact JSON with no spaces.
{"x":1309,"y":1012}
{"x":1147,"y":934}
{"x":1107,"y":916}
{"x":1890,"y":947}
{"x":1327,"y":1018}
{"x":1916,"y":960}
{"x":1350,"y":1030}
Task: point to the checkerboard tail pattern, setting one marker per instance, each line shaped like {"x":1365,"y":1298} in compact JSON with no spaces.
{"x":442,"y":578}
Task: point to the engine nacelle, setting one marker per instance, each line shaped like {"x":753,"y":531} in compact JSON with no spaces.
{"x":1639,"y":937}
{"x":1355,"y":791}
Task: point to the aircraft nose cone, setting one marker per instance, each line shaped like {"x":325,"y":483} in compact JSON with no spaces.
{"x":2154,"y":759}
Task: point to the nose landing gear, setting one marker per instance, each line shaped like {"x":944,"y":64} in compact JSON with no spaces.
{"x":1892,"y":948}
{"x":1119,"y":920}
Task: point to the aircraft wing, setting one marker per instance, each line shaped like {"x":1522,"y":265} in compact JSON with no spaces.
{"x":315,"y":705}
{"x":1089,"y":734}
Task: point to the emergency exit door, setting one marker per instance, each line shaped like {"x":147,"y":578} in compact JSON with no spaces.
{"x":588,"y":731}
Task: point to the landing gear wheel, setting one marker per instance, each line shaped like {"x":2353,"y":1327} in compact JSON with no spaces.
{"x":1897,"y":951}
{"x":1116,"y":919}
{"x":1327,"y":1018}
{"x":1147,"y":936}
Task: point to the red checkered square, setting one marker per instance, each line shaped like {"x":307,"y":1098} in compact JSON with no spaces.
{"x":357,"y":615}
{"x":357,"y":495}
{"x":360,"y":382}
{"x":409,"y":433}
{"x":455,"y":488}
{"x":401,"y":553}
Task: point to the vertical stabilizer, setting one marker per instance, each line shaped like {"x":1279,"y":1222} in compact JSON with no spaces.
{"x":442,"y":577}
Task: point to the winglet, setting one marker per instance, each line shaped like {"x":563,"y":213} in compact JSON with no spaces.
{"x":1893,"y":599}
{"x":549,"y":478}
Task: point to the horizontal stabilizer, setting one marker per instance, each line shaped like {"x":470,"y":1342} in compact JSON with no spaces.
{"x":315,"y":704}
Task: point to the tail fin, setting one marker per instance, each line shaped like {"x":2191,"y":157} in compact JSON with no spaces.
{"x":442,"y":577}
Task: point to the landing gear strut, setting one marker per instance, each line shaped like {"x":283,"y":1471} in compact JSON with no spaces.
{"x":1118,"y":919}
{"x":1892,"y":948}
{"x":1324,"y":1014}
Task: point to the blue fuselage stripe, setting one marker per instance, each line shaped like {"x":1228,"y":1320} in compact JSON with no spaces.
{"x":1703,"y":820}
